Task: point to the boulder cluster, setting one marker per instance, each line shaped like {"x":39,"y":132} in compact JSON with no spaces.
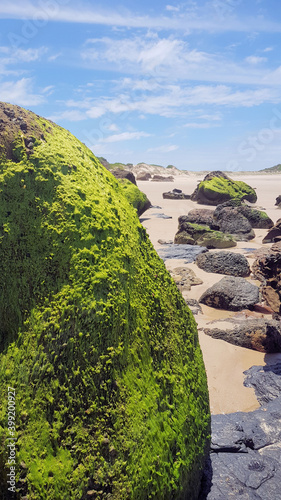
{"x":230,"y":222}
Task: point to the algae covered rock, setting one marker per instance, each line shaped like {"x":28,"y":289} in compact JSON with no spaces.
{"x":217,"y":187}
{"x":138,"y":199}
{"x":201,"y":234}
{"x":96,"y":340}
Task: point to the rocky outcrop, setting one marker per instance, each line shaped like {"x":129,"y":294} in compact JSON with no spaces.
{"x":185,"y":278}
{"x":266,"y":380}
{"x":217,"y":188}
{"x":111,"y":390}
{"x":190,"y":233}
{"x":231,"y":293}
{"x":124,"y":174}
{"x":230,"y":263}
{"x":274,"y":234}
{"x":176,"y":194}
{"x":260,"y":334}
{"x":144,"y":176}
{"x":245,"y":459}
{"x":267,"y":269}
{"x":162,"y":178}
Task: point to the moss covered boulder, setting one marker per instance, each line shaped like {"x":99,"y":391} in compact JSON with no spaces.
{"x":97,"y":343}
{"x":202,"y":235}
{"x":217,"y":187}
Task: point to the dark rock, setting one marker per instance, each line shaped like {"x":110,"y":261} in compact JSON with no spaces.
{"x":231,"y":293}
{"x":245,"y":459}
{"x":176,"y":194}
{"x":278,"y":201}
{"x":274,"y":234}
{"x":187,"y":252}
{"x":267,"y":269}
{"x":161,"y":178}
{"x":143,"y":176}
{"x":201,"y":216}
{"x":124,"y":174}
{"x":104,"y":162}
{"x":194,"y":306}
{"x":266,"y":380}
{"x":231,"y":221}
{"x":259,"y":334}
{"x":257,"y":218}
{"x":233,"y":264}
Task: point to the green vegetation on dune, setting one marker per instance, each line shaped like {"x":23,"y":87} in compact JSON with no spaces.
{"x":111,"y":392}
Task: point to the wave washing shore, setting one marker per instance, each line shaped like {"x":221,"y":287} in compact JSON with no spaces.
{"x":225,"y":363}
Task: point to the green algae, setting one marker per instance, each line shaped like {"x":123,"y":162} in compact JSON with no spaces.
{"x":203,"y":235}
{"x":218,"y":190}
{"x":138,"y":199}
{"x":111,"y":392}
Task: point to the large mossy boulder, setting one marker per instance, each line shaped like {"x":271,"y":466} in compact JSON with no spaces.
{"x":217,"y":187}
{"x":96,"y":340}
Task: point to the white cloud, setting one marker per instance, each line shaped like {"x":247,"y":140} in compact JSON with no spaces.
{"x":54,"y":57}
{"x":48,"y":90}
{"x":164,"y":149}
{"x":125,"y":136}
{"x":200,"y":125}
{"x":202,"y":19}
{"x":255,"y":60}
{"x":172,"y":8}
{"x":20,"y":92}
{"x":175,"y":100}
{"x":156,"y":58}
{"x":72,"y":115}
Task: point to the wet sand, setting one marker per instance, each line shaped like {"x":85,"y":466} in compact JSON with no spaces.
{"x":225,"y":363}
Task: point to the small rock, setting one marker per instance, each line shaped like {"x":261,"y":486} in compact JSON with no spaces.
{"x":165,"y":242}
{"x":194,"y":306}
{"x":185,"y":278}
{"x":176,"y":194}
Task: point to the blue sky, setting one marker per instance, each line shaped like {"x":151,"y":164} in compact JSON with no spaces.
{"x":195,"y":84}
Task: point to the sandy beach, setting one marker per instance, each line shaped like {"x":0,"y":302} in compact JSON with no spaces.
{"x":225,"y":363}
